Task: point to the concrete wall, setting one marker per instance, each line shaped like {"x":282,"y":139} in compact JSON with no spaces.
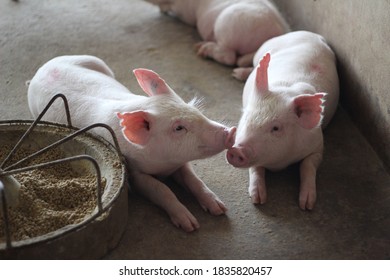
{"x":359,"y":33}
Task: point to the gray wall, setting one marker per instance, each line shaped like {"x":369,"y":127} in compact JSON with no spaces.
{"x":359,"y":33}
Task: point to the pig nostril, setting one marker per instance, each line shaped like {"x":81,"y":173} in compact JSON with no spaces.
{"x":234,"y":157}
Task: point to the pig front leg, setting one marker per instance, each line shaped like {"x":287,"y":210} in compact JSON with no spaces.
{"x":218,"y":53}
{"x":209,"y":201}
{"x":162,"y":196}
{"x":257,"y":189}
{"x":308,"y":171}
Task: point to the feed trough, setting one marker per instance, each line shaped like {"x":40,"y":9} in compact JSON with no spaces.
{"x":84,"y":155}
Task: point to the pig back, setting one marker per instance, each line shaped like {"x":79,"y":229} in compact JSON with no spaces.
{"x":84,"y":80}
{"x":303,"y":57}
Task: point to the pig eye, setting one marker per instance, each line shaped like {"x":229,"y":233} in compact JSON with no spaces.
{"x":179,"y":128}
{"x":275,"y":128}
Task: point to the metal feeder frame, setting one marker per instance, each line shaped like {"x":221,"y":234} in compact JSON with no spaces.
{"x":13,"y":169}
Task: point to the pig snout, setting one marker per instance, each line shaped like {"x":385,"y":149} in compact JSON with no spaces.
{"x":239,"y":156}
{"x":223,"y":138}
{"x":230,"y":134}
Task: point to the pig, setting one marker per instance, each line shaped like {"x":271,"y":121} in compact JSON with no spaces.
{"x":287,"y":99}
{"x":231,"y":30}
{"x":158,"y":135}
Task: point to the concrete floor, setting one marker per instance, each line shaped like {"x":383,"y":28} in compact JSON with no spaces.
{"x":351,"y":219}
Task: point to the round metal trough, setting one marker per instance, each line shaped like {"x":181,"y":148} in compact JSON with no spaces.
{"x":100,"y":231}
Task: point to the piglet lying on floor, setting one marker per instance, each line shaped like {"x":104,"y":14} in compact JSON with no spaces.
{"x":283,"y":100}
{"x":232,"y":30}
{"x":158,"y":134}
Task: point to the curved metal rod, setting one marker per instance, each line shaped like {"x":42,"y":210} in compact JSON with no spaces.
{"x":65,"y":139}
{"x":48,"y":164}
{"x":28,"y":131}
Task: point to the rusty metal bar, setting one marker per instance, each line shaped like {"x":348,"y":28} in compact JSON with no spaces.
{"x":29,"y":130}
{"x":5,"y":215}
{"x":63,"y":140}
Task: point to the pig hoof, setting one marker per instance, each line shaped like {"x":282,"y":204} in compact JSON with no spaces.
{"x":204,"y":49}
{"x":258,"y":200}
{"x":212,"y":204}
{"x":186,"y":221}
{"x":238,"y":74}
{"x":255,"y":199}
{"x":219,"y":54}
{"x":306,"y":206}
{"x":307,"y":200}
{"x":241,"y":73}
{"x":258,"y":194}
{"x":218,"y":208}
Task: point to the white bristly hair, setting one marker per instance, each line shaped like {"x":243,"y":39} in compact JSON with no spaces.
{"x":197,"y":102}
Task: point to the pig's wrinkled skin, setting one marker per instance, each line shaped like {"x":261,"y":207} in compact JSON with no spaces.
{"x":158,"y":135}
{"x":232,"y":30}
{"x":283,"y":110}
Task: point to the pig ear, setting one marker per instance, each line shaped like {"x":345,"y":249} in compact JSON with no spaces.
{"x":309,"y":109}
{"x":150,"y":82}
{"x":262,"y":74}
{"x":135,"y":126}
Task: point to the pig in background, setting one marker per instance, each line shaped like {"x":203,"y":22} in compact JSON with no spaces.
{"x":231,"y":30}
{"x":287,"y":97}
{"x":158,"y":135}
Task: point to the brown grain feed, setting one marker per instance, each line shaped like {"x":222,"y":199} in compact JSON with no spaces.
{"x":50,"y":198}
